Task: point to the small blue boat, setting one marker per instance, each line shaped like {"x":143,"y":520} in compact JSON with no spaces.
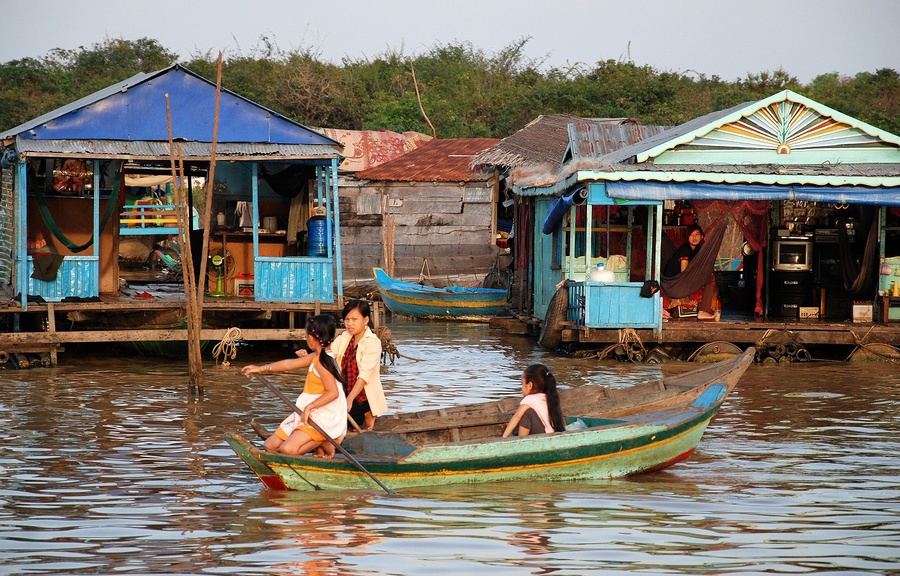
{"x":454,"y":302}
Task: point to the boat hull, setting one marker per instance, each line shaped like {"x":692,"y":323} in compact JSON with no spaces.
{"x":608,"y":448}
{"x":418,"y":301}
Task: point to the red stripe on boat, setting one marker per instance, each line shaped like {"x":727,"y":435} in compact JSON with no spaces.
{"x":674,"y":460}
{"x":273,"y":482}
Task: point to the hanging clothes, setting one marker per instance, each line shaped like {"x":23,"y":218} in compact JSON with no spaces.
{"x":244,"y":214}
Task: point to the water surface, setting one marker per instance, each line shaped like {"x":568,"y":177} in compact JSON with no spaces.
{"x":110,"y":467}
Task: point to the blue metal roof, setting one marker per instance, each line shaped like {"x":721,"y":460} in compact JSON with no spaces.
{"x":135,"y":110}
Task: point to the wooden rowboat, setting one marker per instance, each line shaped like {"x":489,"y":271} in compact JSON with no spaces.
{"x":612,"y":432}
{"x":419,"y":301}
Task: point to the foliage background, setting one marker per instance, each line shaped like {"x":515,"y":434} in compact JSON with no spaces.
{"x":465,"y":92}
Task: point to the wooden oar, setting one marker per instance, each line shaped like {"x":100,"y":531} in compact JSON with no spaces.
{"x":316,"y":427}
{"x":355,"y":425}
{"x":260,"y":431}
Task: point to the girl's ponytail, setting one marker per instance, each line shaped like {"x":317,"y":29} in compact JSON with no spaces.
{"x":322,"y":328}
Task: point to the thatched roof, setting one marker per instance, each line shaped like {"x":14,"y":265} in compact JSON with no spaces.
{"x":543,"y":141}
{"x":590,"y":143}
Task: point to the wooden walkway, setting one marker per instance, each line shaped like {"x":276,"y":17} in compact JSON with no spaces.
{"x":45,"y":328}
{"x":810,"y":332}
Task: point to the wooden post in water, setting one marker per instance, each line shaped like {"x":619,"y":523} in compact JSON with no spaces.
{"x":195,"y":361}
{"x":194,"y":286}
{"x":195,"y":312}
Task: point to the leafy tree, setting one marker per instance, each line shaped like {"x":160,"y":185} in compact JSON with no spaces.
{"x":465,"y":91}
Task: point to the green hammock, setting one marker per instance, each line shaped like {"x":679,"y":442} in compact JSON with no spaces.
{"x":54,"y":229}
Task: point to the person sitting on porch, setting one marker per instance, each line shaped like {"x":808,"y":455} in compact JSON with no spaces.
{"x":681,"y":282}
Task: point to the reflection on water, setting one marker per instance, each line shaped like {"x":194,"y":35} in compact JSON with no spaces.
{"x":110,"y":468}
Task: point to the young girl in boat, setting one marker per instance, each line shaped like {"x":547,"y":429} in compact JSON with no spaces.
{"x":322,"y":399}
{"x":539,"y":411}
{"x":358,"y":353}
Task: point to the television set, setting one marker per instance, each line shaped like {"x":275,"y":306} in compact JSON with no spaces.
{"x":792,"y":254}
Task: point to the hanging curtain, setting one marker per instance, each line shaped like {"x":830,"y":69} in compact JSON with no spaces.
{"x":752,"y":219}
{"x":859,"y":273}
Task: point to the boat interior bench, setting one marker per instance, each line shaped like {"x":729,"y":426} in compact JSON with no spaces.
{"x":378,"y":444}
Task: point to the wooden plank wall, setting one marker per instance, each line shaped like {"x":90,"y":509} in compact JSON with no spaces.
{"x":451,"y":224}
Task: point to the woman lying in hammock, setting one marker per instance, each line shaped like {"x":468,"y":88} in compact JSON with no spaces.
{"x":677,"y":278}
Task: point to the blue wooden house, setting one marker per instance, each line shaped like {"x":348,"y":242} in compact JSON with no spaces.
{"x":63,"y":185}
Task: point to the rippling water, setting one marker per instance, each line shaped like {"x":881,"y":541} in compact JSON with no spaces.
{"x":110,"y":468}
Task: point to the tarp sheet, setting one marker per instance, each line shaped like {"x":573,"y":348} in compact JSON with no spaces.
{"x":645,"y":190}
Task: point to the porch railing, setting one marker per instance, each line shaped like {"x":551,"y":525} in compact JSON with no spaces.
{"x":144,"y":219}
{"x":300,"y":279}
{"x":76,"y":277}
{"x":612,"y":305}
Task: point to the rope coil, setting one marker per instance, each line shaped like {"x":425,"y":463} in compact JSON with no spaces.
{"x":227,"y":347}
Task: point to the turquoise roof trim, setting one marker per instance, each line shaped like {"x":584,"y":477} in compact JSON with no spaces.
{"x":736,"y":178}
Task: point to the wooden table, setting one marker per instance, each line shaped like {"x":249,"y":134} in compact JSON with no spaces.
{"x":888,"y":302}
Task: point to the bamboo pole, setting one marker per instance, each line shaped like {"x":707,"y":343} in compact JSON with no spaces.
{"x":388,"y":234}
{"x":210,"y":179}
{"x":195,"y":361}
{"x":195,"y":367}
{"x":195,"y":318}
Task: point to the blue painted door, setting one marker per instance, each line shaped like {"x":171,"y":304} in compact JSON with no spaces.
{"x":547,"y":272}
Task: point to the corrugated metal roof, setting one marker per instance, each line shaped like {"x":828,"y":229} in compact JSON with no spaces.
{"x":593,"y":139}
{"x":135,"y":111}
{"x":77,"y":104}
{"x":444,"y":160}
{"x":144,"y":149}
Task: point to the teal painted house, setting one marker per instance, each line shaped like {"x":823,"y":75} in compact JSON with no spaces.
{"x":815,"y":195}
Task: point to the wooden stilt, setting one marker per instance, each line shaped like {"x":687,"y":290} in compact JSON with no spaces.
{"x":195,"y":367}
{"x":51,"y":328}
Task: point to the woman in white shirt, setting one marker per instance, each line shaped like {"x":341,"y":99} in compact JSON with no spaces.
{"x":358,"y":353}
